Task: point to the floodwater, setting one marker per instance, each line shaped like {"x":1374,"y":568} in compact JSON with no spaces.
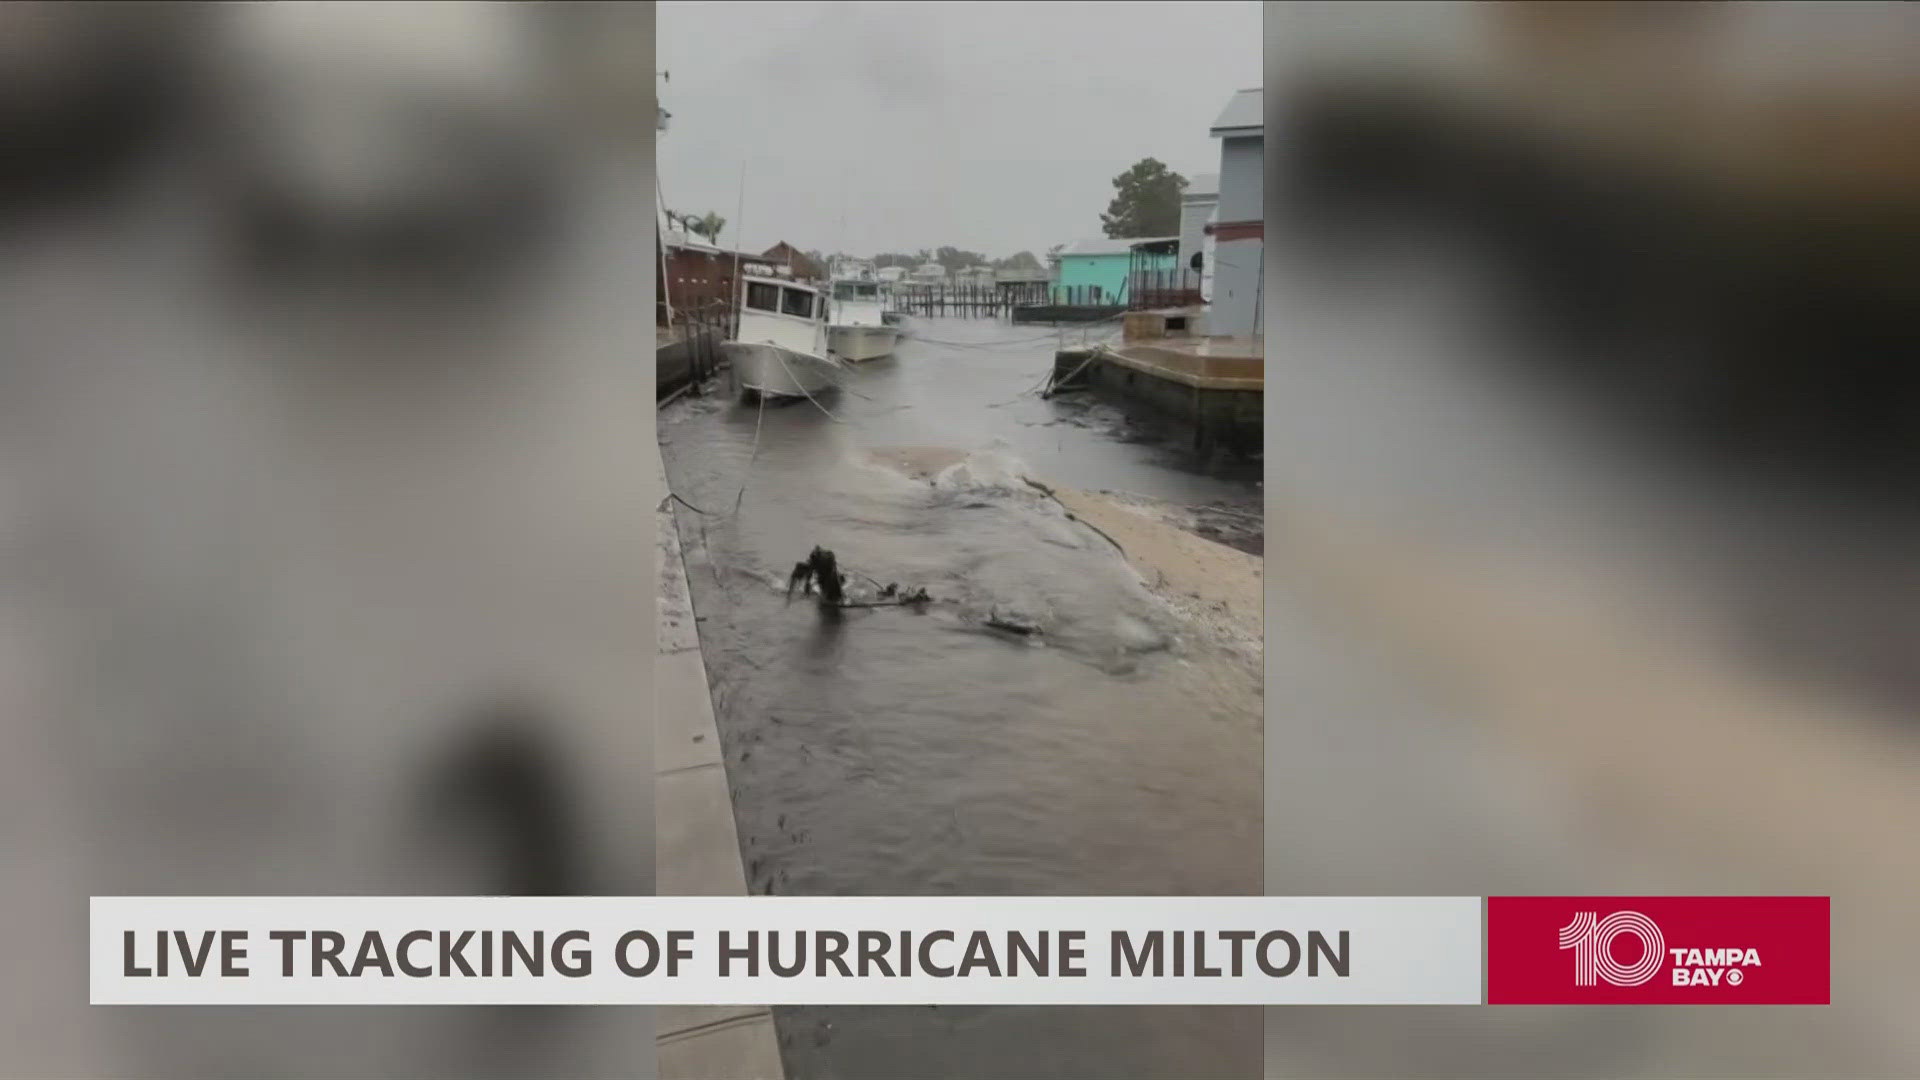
{"x":895,"y":751}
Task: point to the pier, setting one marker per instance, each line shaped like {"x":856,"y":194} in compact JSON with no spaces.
{"x":976,"y":301}
{"x":1215,"y":384}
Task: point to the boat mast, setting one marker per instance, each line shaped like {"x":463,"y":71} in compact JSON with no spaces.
{"x":740,"y":217}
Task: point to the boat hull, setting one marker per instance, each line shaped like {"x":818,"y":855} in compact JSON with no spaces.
{"x":776,"y":371}
{"x":862,"y":342}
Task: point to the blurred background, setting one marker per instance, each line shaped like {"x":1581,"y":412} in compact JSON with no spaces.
{"x":1590,"y":469}
{"x":324,"y":532}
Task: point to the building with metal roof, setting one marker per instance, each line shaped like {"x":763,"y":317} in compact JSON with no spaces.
{"x":1244,"y":115}
{"x":1100,"y":268}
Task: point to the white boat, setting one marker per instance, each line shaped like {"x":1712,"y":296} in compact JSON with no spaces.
{"x":780,"y":349}
{"x":857,"y":328}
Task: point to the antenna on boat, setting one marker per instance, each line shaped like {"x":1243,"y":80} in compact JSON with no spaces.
{"x":740,"y":215}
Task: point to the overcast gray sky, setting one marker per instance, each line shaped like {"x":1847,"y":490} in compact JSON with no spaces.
{"x":994,"y":127}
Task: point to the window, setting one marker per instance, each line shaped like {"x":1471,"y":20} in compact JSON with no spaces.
{"x":867,"y":290}
{"x":762,"y":296}
{"x":845,"y":290}
{"x":796,"y":302}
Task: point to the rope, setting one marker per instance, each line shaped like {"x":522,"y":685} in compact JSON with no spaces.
{"x":751,"y":457}
{"x":1052,"y":382}
{"x":1051,"y":334}
{"x":747,"y":475}
{"x":803,"y":389}
{"x":1003,"y":404}
{"x":675,"y":497}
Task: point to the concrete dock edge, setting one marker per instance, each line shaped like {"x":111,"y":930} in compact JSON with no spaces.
{"x":697,"y":849}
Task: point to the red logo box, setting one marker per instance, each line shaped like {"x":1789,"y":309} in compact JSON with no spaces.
{"x":1659,"y":950}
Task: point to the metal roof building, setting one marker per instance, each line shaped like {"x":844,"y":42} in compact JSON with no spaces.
{"x":1244,"y":115}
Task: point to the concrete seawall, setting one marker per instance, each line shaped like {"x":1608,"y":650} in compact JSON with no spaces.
{"x":1221,"y":397}
{"x":697,"y":848}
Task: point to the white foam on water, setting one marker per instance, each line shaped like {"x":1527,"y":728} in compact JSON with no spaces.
{"x":990,"y":469}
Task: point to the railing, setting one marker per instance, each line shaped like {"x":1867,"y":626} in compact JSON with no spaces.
{"x":1082,"y":296}
{"x":1148,"y":289}
{"x":702,"y":326}
{"x":964,"y":299}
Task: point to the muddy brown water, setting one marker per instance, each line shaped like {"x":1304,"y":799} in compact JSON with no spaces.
{"x":896,"y":751}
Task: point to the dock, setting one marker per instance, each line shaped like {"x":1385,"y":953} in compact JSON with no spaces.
{"x":1216,"y":384}
{"x":967,"y":300}
{"x":1066,"y":313}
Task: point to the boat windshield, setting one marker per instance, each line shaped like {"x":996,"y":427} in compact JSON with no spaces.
{"x":762,"y":296}
{"x":798,"y":302}
{"x":845,"y":290}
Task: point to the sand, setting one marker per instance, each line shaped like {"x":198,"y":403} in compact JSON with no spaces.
{"x":1209,"y":583}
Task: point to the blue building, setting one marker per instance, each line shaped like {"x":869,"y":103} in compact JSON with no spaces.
{"x":1096,"y":271}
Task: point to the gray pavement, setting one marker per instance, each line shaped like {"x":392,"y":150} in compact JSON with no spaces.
{"x":697,"y":847}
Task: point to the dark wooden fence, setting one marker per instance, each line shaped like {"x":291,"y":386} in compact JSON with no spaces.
{"x":981,"y":300}
{"x":694,"y":353}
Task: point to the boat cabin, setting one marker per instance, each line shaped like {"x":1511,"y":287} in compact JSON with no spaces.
{"x":784,"y":299}
{"x":856,"y":290}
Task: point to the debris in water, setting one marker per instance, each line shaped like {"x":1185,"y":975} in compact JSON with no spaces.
{"x":1071,"y":516}
{"x":822,"y":569}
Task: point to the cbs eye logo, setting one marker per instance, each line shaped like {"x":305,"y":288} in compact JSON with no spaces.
{"x":1591,"y":938}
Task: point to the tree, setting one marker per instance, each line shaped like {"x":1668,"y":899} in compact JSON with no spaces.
{"x":708,"y":225}
{"x":1146,"y":201}
{"x":1023,"y":260}
{"x":955,"y":259}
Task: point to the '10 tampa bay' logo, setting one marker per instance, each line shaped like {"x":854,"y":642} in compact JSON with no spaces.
{"x":1654,"y":950}
{"x":1591,"y":938}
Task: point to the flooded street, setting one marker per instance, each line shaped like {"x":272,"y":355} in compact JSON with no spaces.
{"x":897,"y":751}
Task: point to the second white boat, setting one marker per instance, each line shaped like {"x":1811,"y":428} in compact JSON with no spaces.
{"x":857,"y":329}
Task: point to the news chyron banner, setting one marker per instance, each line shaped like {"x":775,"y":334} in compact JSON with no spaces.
{"x":1460,"y":950}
